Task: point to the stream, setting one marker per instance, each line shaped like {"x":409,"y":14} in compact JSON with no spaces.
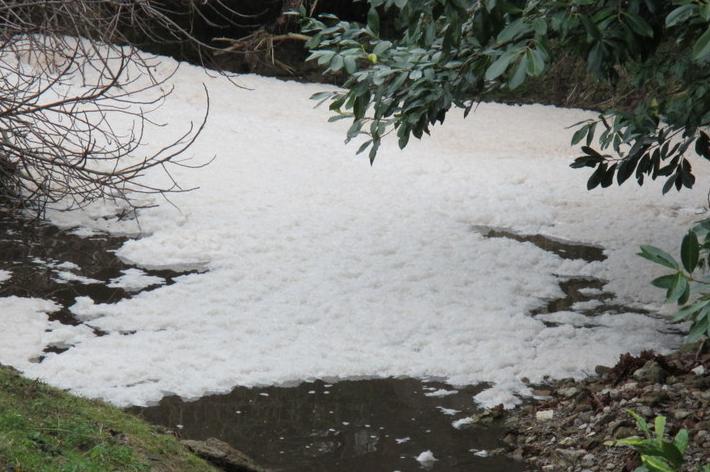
{"x":379,"y":424}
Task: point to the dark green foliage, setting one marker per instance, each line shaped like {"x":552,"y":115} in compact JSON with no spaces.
{"x":455,"y":52}
{"x":689,"y":277}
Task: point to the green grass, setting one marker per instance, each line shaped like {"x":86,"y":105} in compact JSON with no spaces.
{"x":45,"y":429}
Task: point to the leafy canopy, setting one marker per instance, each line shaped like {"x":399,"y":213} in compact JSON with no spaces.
{"x":446,"y":53}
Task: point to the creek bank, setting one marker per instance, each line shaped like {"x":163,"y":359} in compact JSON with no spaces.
{"x":43,"y":429}
{"x":566,"y":426}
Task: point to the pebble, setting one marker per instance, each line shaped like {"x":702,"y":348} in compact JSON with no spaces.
{"x":545,"y":415}
{"x":588,"y":460}
{"x":650,"y":372}
{"x":571,"y":455}
{"x":568,"y":392}
{"x":587,"y":414}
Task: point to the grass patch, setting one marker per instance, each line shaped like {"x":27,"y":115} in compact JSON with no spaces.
{"x":46,"y":429}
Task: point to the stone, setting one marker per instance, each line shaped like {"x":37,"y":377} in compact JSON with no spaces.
{"x":571,"y":456}
{"x":650,"y":372}
{"x":568,"y":441}
{"x":624,"y":432}
{"x":681,"y":414}
{"x":588,"y":460}
{"x":545,"y":415}
{"x":222,"y":455}
{"x":568,"y":392}
{"x":699,"y":370}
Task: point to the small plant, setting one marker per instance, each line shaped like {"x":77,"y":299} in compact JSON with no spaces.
{"x":688,"y":277}
{"x":658,"y":453}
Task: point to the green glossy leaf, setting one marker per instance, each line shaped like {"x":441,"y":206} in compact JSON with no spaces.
{"x":659,"y":425}
{"x":664,"y":281}
{"x":381,"y":47}
{"x":535,"y":61}
{"x":579,"y":135}
{"x":640,"y":421}
{"x":678,"y":288}
{"x":373,"y":21}
{"x":499,"y":66}
{"x":658,"y":256}
{"x":698,"y":330}
{"x":350,"y":64}
{"x":701,"y":48}
{"x":518,"y":76}
{"x":690,"y":251}
{"x":681,"y":440}
{"x":689,"y":311}
{"x":513,"y":31}
{"x":337,"y":63}
{"x":680,"y":14}
{"x":638,"y":25}
{"x":656,"y":464}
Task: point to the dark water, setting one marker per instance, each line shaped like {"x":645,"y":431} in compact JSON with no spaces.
{"x":32,"y":251}
{"x":345,"y":426}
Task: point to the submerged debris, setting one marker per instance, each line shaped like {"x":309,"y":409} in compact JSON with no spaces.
{"x":223,"y":455}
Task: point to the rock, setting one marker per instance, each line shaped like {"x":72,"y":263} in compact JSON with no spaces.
{"x":222,"y":455}
{"x":602,"y":370}
{"x":588,"y":460}
{"x":681,"y":414}
{"x":650,"y":372}
{"x":568,"y":392}
{"x":702,"y":381}
{"x":624,"y":432}
{"x":699,"y":370}
{"x":628,"y":386}
{"x":568,"y":441}
{"x":571,"y":456}
{"x":544,"y":415}
{"x":655,"y":398}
